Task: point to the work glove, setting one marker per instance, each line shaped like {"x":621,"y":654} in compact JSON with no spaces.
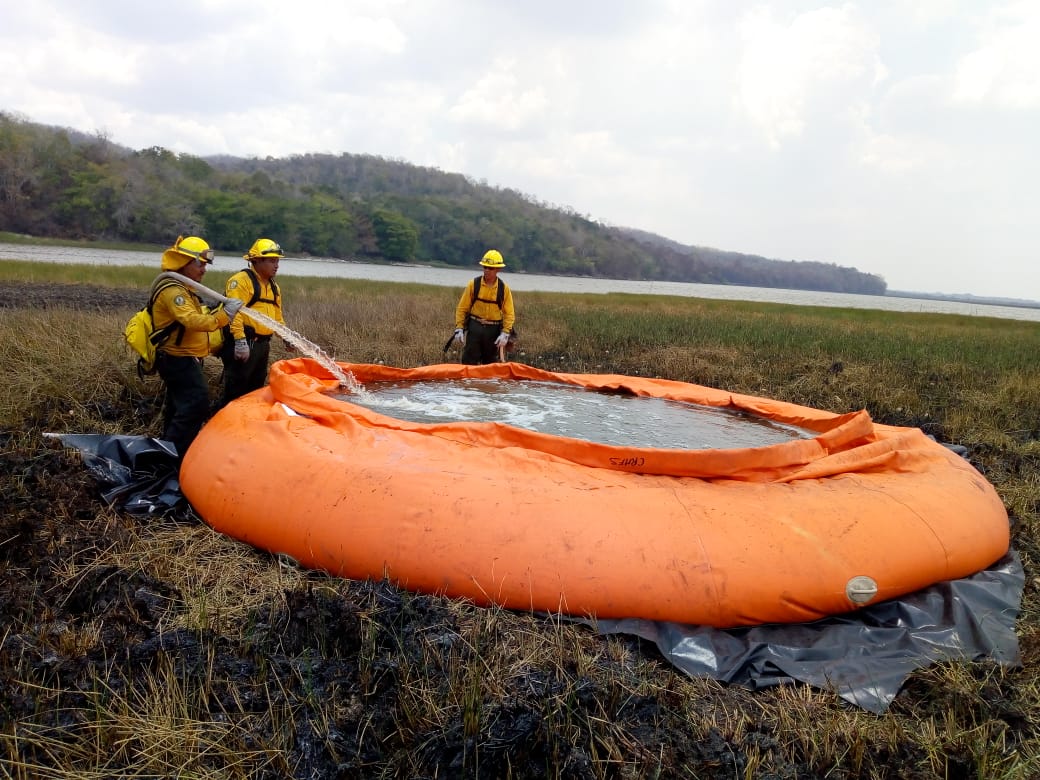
{"x":460,"y":336}
{"x":289,"y":346}
{"x":241,"y":350}
{"x":231,"y":307}
{"x":502,"y":340}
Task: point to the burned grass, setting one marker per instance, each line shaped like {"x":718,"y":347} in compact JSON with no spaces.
{"x":108,"y":669}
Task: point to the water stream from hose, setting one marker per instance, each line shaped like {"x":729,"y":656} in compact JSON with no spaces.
{"x":347,"y":380}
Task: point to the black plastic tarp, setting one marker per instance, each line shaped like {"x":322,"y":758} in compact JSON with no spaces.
{"x":137,"y":474}
{"x":864,"y":656}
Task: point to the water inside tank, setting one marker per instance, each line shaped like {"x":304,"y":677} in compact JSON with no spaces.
{"x":575,"y":412}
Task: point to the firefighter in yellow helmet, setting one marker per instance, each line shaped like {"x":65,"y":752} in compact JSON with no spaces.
{"x":485,"y":315}
{"x":247,"y":344}
{"x":179,"y":358}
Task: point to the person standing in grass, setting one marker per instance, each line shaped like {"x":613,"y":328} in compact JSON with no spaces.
{"x":485,"y":315}
{"x":247,"y":344}
{"x":179,"y":358}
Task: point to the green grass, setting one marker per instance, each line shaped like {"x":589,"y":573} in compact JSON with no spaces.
{"x":18,"y":238}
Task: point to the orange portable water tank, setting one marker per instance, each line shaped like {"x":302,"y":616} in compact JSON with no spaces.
{"x":789,"y":532}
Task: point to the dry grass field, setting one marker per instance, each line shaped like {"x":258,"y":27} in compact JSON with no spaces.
{"x":158,"y":648}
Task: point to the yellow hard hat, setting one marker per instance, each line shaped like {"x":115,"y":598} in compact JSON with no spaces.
{"x":261,"y":248}
{"x":184,"y":250}
{"x":493,"y":259}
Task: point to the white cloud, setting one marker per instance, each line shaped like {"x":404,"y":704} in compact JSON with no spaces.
{"x":891,"y":154}
{"x":787,"y":65}
{"x":498,"y":99}
{"x":925,"y":13}
{"x":1005,"y":68}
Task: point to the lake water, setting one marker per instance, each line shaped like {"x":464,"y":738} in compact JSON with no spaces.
{"x":457,"y":278}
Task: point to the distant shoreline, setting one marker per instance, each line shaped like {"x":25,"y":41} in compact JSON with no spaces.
{"x":26,"y":240}
{"x":981,"y":300}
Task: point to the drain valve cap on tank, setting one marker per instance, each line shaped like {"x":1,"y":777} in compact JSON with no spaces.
{"x":861,"y":589}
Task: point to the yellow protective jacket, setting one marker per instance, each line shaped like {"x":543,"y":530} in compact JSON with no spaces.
{"x":485,"y":307}
{"x":177,"y":303}
{"x":240,"y":285}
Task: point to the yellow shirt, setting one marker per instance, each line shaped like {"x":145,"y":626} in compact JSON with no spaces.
{"x":177,"y":303}
{"x":240,"y":286}
{"x":486,"y":306}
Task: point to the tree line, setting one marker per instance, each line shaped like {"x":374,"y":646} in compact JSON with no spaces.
{"x":62,"y":183}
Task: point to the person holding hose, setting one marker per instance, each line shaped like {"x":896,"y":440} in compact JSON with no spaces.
{"x":247,"y":344}
{"x":485,"y":315}
{"x":179,"y":358}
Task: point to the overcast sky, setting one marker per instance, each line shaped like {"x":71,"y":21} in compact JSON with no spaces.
{"x":900,"y":137}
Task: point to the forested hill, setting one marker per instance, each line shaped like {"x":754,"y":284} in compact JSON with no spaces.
{"x":58,"y":182}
